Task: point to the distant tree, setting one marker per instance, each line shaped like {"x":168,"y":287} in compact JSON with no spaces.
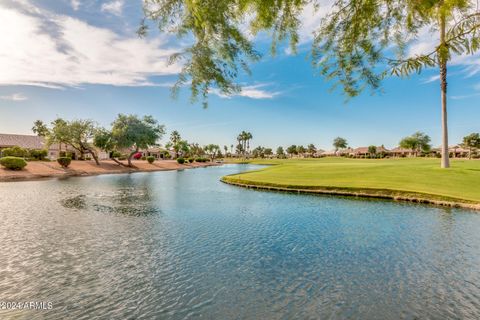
{"x":292,"y":150}
{"x":372,"y":150}
{"x":239,"y":149}
{"x":339,"y":143}
{"x":301,"y":150}
{"x":244,"y":139}
{"x":472,"y":141}
{"x":58,"y":133}
{"x":134,"y":133}
{"x":175,"y":138}
{"x":258,"y":152}
{"x":40,"y":129}
{"x":196,"y":150}
{"x":77,"y":134}
{"x":280,"y":152}
{"x":103,"y":140}
{"x":268,"y":152}
{"x":180,"y":147}
{"x":225,"y":148}
{"x":212,"y":150}
{"x":418,"y":141}
{"x":311,"y":149}
{"x":81,"y":134}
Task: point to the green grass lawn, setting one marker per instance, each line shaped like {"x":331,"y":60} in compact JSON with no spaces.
{"x":408,"y":176}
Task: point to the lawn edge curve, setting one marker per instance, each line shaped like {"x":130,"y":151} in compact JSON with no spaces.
{"x":388,"y":194}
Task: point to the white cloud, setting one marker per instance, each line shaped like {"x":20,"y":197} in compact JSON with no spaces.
{"x":467,"y":96}
{"x":311,"y":17}
{"x":44,"y":49}
{"x":113,"y":7}
{"x":252,"y":92}
{"x":14,"y":97}
{"x":431,"y":79}
{"x":75,"y":4}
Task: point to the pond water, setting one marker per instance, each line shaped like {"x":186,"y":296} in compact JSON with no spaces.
{"x":181,"y":245}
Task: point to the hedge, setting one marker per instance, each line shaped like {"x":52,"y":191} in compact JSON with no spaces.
{"x":15,"y":152}
{"x":13,"y":163}
{"x":64,"y":161}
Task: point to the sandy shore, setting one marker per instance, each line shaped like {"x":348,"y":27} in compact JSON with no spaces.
{"x":41,"y":170}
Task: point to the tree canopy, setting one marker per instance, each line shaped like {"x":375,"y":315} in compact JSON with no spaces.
{"x":77,"y":134}
{"x":472,"y":141}
{"x":358,"y":42}
{"x":134,"y":133}
{"x":418,"y":141}
{"x":339,"y":143}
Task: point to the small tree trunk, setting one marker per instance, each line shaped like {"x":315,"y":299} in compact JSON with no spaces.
{"x":94,"y":156}
{"x":130,"y":156}
{"x":443,"y":87}
{"x":117,"y":162}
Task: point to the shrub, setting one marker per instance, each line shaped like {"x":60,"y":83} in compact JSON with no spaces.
{"x":38,"y":154}
{"x":122,"y":157}
{"x":88,"y":158}
{"x":150,"y":159}
{"x":64,"y":161}
{"x":137,"y":156}
{"x":116,"y":154}
{"x":13,"y":163}
{"x":144,"y":158}
{"x":15,"y":152}
{"x":181,"y":160}
{"x":191,"y":160}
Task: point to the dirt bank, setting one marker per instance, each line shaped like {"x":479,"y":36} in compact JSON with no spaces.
{"x":41,"y":170}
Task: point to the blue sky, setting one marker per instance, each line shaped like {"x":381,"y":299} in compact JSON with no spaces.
{"x":82,"y":59}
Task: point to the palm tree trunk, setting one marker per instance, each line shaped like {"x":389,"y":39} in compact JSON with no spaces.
{"x":443,"y":87}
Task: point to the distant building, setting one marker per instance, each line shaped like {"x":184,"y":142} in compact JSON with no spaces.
{"x":157,"y":152}
{"x":363,"y":151}
{"x":458,"y":151}
{"x":402,"y":152}
{"x":36,"y":142}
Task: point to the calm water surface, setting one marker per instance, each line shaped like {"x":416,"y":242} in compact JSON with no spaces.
{"x":181,"y":245}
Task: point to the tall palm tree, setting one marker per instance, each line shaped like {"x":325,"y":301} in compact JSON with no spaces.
{"x":248,"y":137}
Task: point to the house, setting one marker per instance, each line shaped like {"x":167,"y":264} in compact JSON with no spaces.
{"x":157,"y":152}
{"x":36,"y":142}
{"x":458,"y":151}
{"x":363,"y":151}
{"x":319,"y":153}
{"x":24,"y":141}
{"x":402,"y":152}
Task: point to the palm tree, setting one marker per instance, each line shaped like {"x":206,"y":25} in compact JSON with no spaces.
{"x":174,"y":140}
{"x":244,"y":140}
{"x":248,"y":137}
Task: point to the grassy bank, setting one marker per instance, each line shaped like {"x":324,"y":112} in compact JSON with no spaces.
{"x":392,"y":178}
